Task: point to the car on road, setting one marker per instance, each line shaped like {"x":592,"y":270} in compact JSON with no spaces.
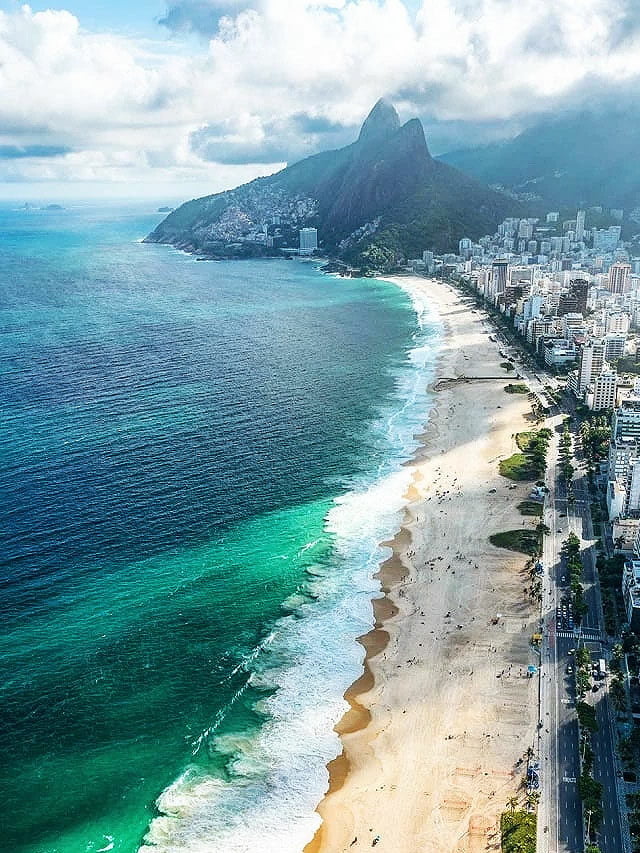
{"x":559,"y":530}
{"x":569,"y":669}
{"x":563,"y":579}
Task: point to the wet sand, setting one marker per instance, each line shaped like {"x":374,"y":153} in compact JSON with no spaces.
{"x":444,"y":711}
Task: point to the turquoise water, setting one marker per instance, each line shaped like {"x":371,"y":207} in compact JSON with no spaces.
{"x":198,"y":462}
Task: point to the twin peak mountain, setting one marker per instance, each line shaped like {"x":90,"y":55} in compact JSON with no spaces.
{"x":376,"y":202}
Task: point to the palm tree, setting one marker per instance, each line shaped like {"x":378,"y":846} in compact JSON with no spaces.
{"x":512,"y":802}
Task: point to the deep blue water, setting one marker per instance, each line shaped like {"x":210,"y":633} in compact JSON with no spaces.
{"x":174,"y":436}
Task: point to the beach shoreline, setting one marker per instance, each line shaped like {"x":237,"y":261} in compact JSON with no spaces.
{"x":430,"y":747}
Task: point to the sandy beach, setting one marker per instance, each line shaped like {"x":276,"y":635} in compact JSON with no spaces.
{"x":444,"y":713}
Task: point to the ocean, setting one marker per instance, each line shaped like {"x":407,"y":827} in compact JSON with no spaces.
{"x":199,"y":461}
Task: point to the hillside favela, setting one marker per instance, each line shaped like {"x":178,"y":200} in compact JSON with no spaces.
{"x":320,"y":427}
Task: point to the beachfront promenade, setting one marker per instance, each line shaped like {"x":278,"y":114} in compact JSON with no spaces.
{"x":561,"y":822}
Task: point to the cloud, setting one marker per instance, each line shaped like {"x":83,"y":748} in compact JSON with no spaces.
{"x":275,"y":80}
{"x":247,"y":140}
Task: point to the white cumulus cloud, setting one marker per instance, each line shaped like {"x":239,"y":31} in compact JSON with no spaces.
{"x":272,"y":80}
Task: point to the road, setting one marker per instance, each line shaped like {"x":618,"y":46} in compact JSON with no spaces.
{"x":613,"y":835}
{"x":560,"y":817}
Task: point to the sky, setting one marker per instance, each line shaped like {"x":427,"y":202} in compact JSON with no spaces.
{"x":172,"y":99}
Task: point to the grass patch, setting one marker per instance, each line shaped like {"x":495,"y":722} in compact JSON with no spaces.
{"x":506,"y":365}
{"x":519,"y":467}
{"x":517,"y":388}
{"x":630,"y":364}
{"x":530,"y":508}
{"x":531,"y":463}
{"x":518,"y":832}
{"x":522,"y":541}
{"x":524,"y":439}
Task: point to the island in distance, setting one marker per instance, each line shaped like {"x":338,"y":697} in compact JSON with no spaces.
{"x":28,"y":206}
{"x":375,"y":202}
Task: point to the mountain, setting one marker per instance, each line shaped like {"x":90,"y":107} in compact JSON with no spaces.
{"x":381,"y":199}
{"x":581,"y":159}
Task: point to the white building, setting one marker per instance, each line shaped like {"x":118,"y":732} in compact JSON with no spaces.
{"x":308,"y":240}
{"x":631,"y":592}
{"x":580,"y":226}
{"x":616,"y":498}
{"x":606,"y":239}
{"x":617,"y":321}
{"x":559,"y":352}
{"x":623,"y":490}
{"x":572,"y":325}
{"x":525,"y":229}
{"x":533,"y":306}
{"x":591,"y":364}
{"x":601,"y":393}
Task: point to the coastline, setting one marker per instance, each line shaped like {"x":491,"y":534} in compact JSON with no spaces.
{"x":430,"y":753}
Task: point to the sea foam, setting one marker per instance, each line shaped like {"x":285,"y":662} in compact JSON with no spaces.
{"x":277,"y":775}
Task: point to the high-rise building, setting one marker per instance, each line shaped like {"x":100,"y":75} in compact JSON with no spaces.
{"x":626,"y":419}
{"x":308,"y":240}
{"x":525,"y":229}
{"x":614,"y":346}
{"x":568,"y":304}
{"x":591,"y":364}
{"x":532,"y":306}
{"x":499,"y":276}
{"x":619,"y":278}
{"x":606,"y":239}
{"x":617,"y":321}
{"x":572,"y":326}
{"x":580,"y":289}
{"x":601,"y":394}
{"x":624,"y":456}
{"x":519,"y":274}
{"x":580,"y":225}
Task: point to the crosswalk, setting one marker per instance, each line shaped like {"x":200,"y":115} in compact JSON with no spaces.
{"x":591,"y":636}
